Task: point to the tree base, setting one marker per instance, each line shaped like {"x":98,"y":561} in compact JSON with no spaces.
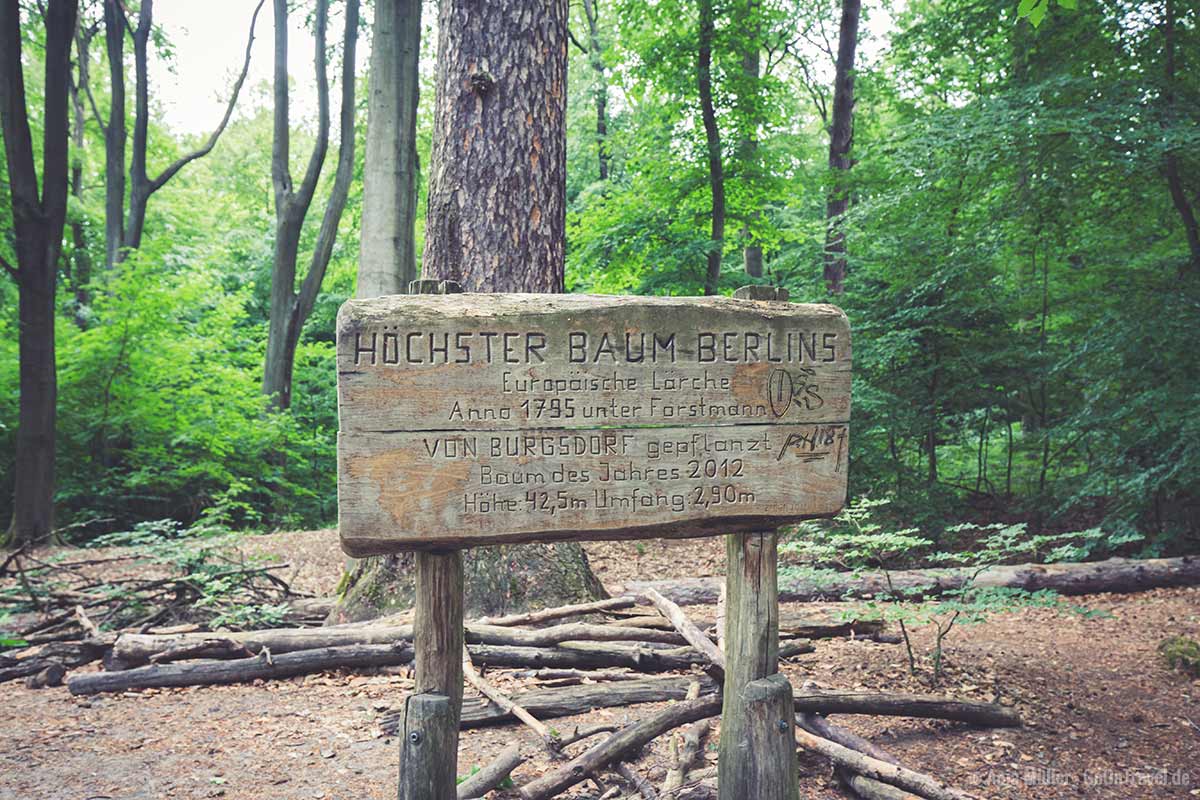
{"x":497,"y":580}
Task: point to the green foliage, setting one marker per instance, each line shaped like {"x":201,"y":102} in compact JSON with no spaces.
{"x":858,"y":540}
{"x":207,"y":585}
{"x":1021,"y":292}
{"x":1181,"y":653}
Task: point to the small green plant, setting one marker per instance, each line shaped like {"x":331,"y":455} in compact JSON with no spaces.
{"x":856,"y":541}
{"x":1181,"y":653}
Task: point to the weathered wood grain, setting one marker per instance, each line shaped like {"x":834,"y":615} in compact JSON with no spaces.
{"x":595,"y":483}
{"x":428,"y":746}
{"x":443,"y":362}
{"x":476,"y":419}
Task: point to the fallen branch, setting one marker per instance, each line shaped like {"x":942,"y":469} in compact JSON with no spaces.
{"x":560,"y":612}
{"x":480,"y":783}
{"x":263,"y":666}
{"x":569,"y":701}
{"x":688,"y":629}
{"x":507,"y":705}
{"x":628,"y":740}
{"x":693,"y":741}
{"x":873,"y":768}
{"x":640,"y":784}
{"x":870,"y":789}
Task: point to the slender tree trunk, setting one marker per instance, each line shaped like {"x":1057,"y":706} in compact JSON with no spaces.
{"x":139,"y":181}
{"x":114,"y":134}
{"x":81,"y":262}
{"x":387,"y":254}
{"x":1171,"y":161}
{"x":752,"y":252}
{"x":124,"y":226}
{"x":38,"y":223}
{"x":712,"y":137}
{"x":600,"y":89}
{"x":841,"y":139}
{"x":290,"y":308}
{"x":497,"y":194}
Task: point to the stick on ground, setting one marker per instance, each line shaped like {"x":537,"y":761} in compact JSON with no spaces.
{"x":873,"y":768}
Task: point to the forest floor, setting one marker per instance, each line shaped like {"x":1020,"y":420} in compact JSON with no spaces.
{"x":1104,"y":717}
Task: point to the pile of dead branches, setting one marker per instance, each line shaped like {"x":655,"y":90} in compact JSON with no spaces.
{"x":65,"y":612}
{"x":631,"y":650}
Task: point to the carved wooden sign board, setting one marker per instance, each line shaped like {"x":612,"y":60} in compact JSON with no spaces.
{"x":473,"y":419}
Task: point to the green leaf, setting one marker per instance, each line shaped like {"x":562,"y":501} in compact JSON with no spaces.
{"x":1071,"y":4}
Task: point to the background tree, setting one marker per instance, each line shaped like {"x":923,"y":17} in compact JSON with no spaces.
{"x":387,"y":253}
{"x":841,"y":139}
{"x":39,"y":211}
{"x":291,"y":307}
{"x":125,"y":227}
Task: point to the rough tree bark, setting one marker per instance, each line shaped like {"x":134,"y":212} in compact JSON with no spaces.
{"x":38,"y":221}
{"x":841,"y":139}
{"x":712,"y":137}
{"x":387,"y":253}
{"x":497,"y":192}
{"x":495,"y":223}
{"x":123,"y":236}
{"x":290,"y":308}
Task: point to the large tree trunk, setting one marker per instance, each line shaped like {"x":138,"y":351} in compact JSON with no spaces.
{"x":289,"y":307}
{"x":387,"y":255}
{"x":841,"y":138}
{"x":38,"y":221}
{"x":497,"y":194}
{"x":712,"y":137}
{"x":495,"y":223}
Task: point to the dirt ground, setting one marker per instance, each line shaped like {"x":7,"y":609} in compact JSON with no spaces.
{"x":1103,"y":716}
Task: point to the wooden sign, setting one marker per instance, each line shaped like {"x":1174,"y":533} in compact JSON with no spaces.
{"x":474,"y":419}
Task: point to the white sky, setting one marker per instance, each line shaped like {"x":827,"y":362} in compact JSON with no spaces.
{"x":209,"y":38}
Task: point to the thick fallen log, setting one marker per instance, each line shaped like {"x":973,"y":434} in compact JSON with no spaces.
{"x":132,"y":649}
{"x":817,"y":725}
{"x":36,"y":660}
{"x":567,"y":701}
{"x":902,"y":777}
{"x":1113,"y":575}
{"x":587,"y":655}
{"x":263,"y":666}
{"x":906,"y":705}
{"x":627,"y":741}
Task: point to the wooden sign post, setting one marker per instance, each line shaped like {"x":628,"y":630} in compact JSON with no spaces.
{"x":480,"y":419}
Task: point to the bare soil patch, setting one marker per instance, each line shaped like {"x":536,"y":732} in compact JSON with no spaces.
{"x":1104,"y":717}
